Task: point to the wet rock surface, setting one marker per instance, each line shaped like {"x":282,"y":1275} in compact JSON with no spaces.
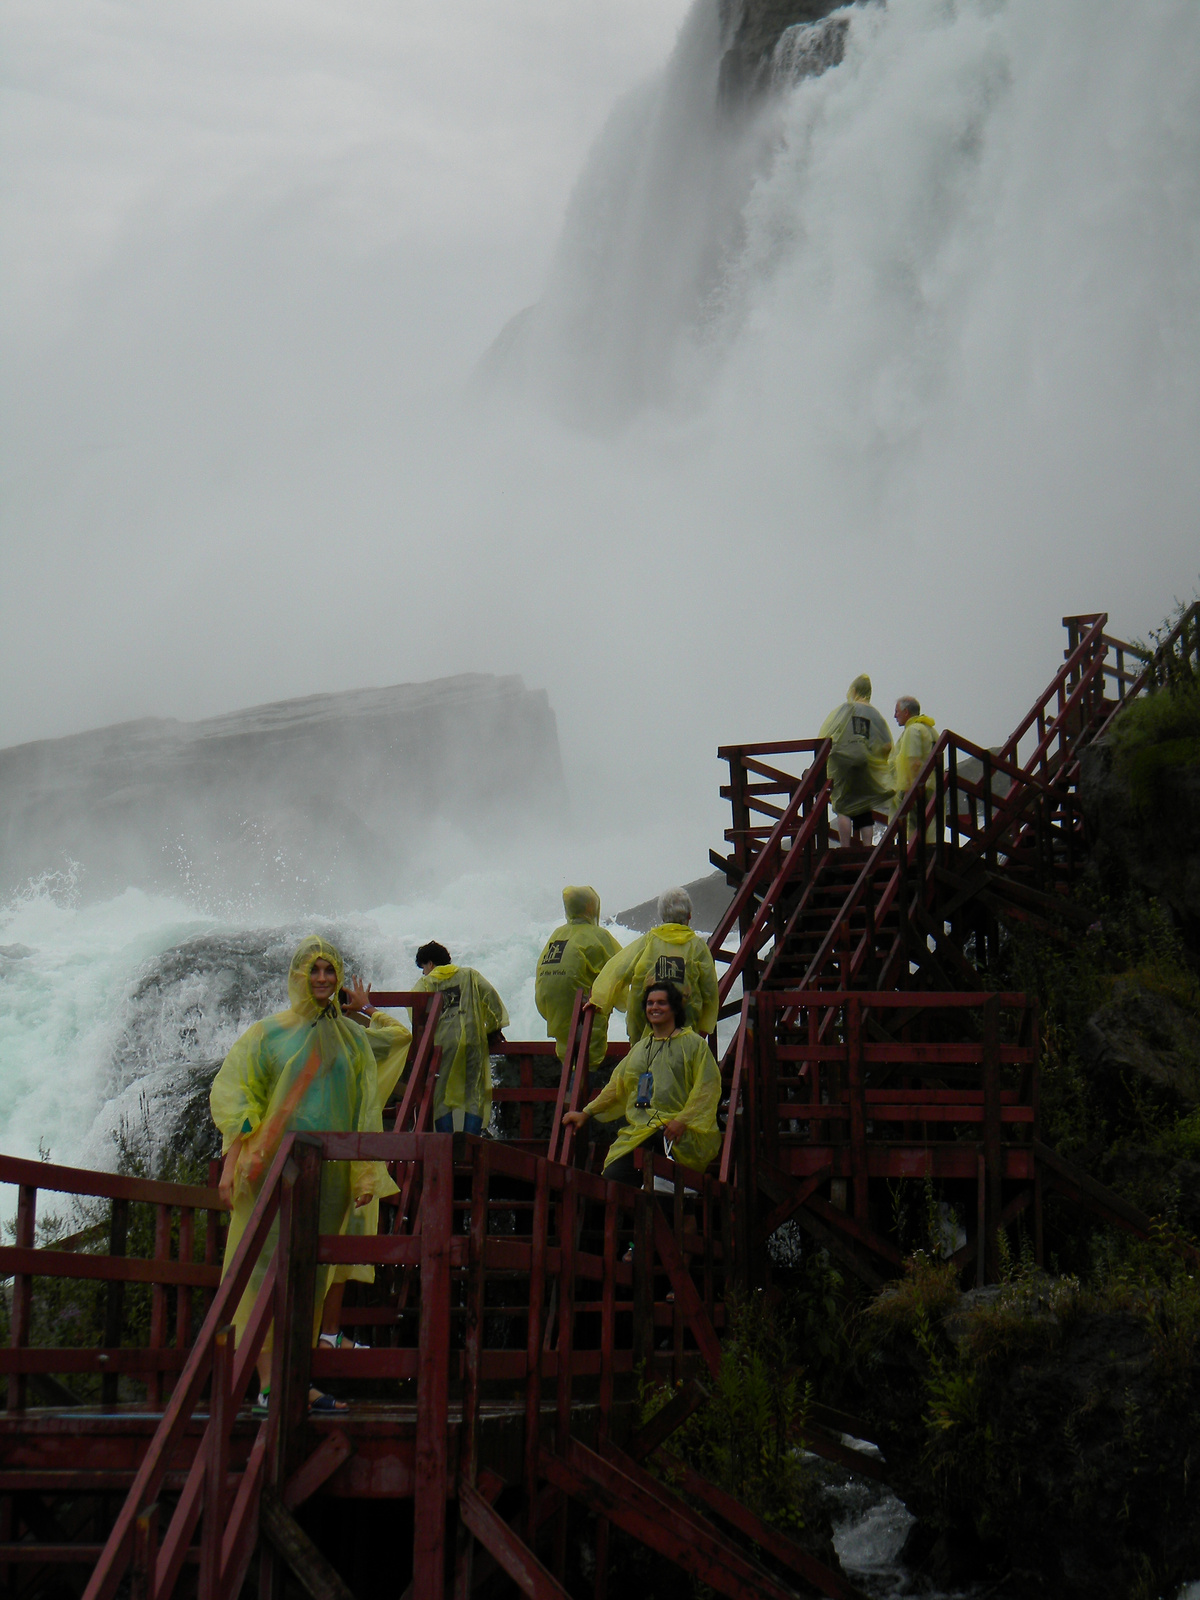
{"x":746,"y":67}
{"x":1147,"y":1036}
{"x":1156,"y":851}
{"x":1067,"y":1467}
{"x":710,"y":897}
{"x":330,"y":800}
{"x":182,"y":1016}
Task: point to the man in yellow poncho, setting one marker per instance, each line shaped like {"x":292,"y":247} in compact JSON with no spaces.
{"x":303,"y":1069}
{"x":669,"y":952}
{"x":572,"y":959}
{"x":470,"y":1027}
{"x":858,"y":762}
{"x":912,"y":750}
{"x":681,"y":1117}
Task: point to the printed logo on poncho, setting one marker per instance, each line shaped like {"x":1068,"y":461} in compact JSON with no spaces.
{"x":861,"y":726}
{"x":451,"y":999}
{"x":554,"y":952}
{"x":670,"y":969}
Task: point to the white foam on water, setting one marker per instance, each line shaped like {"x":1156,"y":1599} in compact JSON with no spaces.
{"x":67,"y":1006}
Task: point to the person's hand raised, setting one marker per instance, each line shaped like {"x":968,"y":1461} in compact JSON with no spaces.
{"x":357,"y":996}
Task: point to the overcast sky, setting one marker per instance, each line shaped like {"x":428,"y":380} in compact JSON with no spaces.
{"x":293,"y":214}
{"x":253,"y":250}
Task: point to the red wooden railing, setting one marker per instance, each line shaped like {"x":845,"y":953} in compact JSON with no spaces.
{"x":584,"y":1312}
{"x":173,"y":1272}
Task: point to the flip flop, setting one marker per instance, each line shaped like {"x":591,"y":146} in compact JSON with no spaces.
{"x":339,"y":1341}
{"x":326,"y":1402}
{"x":262,"y":1404}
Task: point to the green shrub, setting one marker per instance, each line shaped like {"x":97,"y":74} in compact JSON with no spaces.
{"x":748,"y":1437}
{"x":921,"y":1298}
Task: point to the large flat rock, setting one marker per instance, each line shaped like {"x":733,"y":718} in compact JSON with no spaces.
{"x":332,"y":800}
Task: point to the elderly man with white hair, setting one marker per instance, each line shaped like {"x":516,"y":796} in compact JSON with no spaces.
{"x":918,"y":735}
{"x":670,"y":951}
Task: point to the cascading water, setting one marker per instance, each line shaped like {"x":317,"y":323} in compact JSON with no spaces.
{"x":950,"y":236}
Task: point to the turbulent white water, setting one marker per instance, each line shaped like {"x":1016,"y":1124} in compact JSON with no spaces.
{"x":87,"y":1045}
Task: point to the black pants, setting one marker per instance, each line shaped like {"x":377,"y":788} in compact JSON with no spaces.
{"x":624,"y":1170}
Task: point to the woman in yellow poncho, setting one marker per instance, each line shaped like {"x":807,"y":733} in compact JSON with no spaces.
{"x":671,"y":953}
{"x":306,"y":1068}
{"x":681,"y":1118}
{"x":858,"y":762}
{"x":389,"y":1040}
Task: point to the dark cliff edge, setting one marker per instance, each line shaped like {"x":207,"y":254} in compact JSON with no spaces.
{"x":330,"y":800}
{"x":753,"y":60}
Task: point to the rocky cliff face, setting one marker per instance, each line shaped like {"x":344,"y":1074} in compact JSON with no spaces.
{"x":758,"y":52}
{"x":1156,"y":850}
{"x":334,"y":799}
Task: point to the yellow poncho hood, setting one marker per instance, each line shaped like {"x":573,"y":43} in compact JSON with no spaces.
{"x":572,"y":959}
{"x":309,"y":952}
{"x":581,"y":903}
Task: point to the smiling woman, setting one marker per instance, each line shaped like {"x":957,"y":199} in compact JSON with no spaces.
{"x":305,"y":1068}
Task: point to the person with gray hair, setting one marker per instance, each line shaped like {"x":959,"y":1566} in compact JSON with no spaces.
{"x":912,"y":750}
{"x":675,"y":905}
{"x":669,"y":952}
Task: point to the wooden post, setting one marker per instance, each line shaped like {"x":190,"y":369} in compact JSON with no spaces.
{"x":158,"y":1302}
{"x":533,"y":1342}
{"x":567,"y":1217}
{"x":221,"y":1409}
{"x":980,"y":1220}
{"x":468,"y":1437}
{"x":858,"y":1110}
{"x":143,"y":1565}
{"x":643,"y":1275}
{"x":707,"y":1222}
{"x":22,"y":1292}
{"x":992,"y":1148}
{"x":677,"y":1317}
{"x":608,"y":1298}
{"x":429,"y":1495}
{"x":183,"y":1295}
{"x":1036,"y":1133}
{"x":114,"y":1305}
{"x":768,"y":1077}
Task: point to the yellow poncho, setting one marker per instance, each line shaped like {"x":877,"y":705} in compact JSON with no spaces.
{"x":858,"y":762}
{"x":687,"y":1088}
{"x":471,"y":1009}
{"x":914,"y":743}
{"x":305,"y":1068}
{"x":572,"y":959}
{"x":389,"y":1041}
{"x":671,"y":951}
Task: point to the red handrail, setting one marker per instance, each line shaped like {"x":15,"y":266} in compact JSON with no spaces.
{"x":117,"y":1550}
